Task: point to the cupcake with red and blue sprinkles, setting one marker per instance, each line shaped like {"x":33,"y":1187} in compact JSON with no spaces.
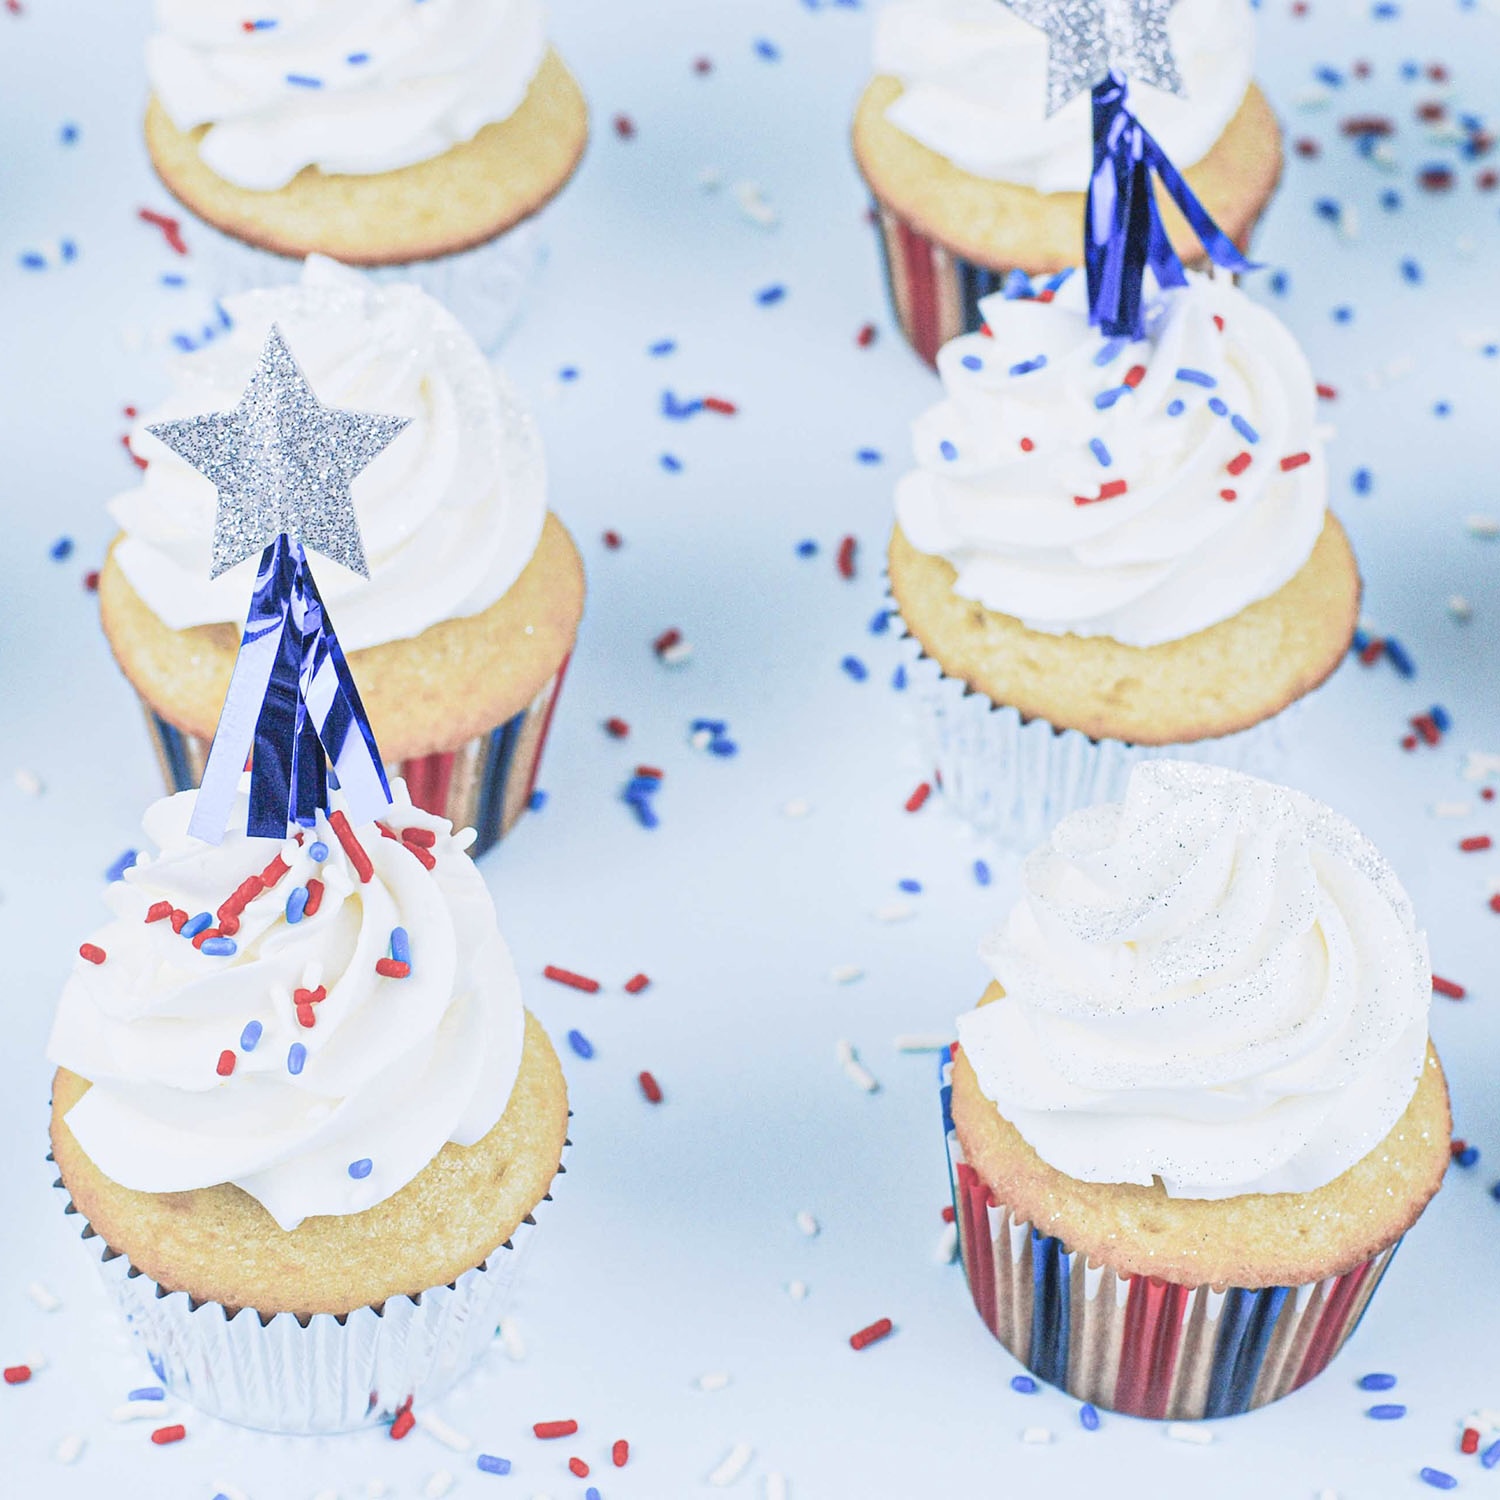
{"x":303,"y":1114}
{"x":461,"y":635}
{"x":1197,"y":1111}
{"x":419,"y":137}
{"x":1113,"y":549}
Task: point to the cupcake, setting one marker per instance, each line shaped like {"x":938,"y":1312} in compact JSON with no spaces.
{"x":303,"y":1113}
{"x":972,"y":178}
{"x":1196,"y":1113}
{"x":461,"y":635}
{"x":387,"y":134}
{"x":1111,"y":550}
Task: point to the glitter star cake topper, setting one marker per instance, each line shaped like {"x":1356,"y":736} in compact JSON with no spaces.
{"x":282,"y":465}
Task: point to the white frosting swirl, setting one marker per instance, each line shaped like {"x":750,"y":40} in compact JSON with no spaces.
{"x":450,"y":515}
{"x":394,"y":1067}
{"x":974,"y":79}
{"x":1010,"y":456}
{"x":356,"y":86}
{"x":1219,"y":983}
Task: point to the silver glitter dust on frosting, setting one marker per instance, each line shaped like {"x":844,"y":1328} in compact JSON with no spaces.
{"x":282,"y":462}
{"x":1089,"y":39}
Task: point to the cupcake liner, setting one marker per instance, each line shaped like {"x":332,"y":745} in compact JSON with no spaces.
{"x":325,"y":1373}
{"x":484,"y":784}
{"x":1138,"y":1344}
{"x":1013,"y":778}
{"x":485,"y":288}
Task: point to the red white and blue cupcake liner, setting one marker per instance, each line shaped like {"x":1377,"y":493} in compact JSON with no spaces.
{"x":486,"y":288}
{"x":324,"y":1373}
{"x":1138,"y":1344}
{"x":485,"y":784}
{"x":1013,"y":778}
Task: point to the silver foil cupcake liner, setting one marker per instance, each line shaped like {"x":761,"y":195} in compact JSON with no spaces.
{"x":485,"y":288}
{"x":324,"y":1373}
{"x":1014,"y":778}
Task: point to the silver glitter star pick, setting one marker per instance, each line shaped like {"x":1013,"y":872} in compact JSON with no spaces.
{"x":281,"y":462}
{"x":1086,"y":39}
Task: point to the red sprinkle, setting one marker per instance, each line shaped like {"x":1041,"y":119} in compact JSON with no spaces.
{"x":1027,"y":445}
{"x":199,"y":939}
{"x":866,"y":336}
{"x":1457,"y":1146}
{"x":392,"y":968}
{"x":666,"y":640}
{"x":1307,"y":148}
{"x":1327,"y":392}
{"x":1228,"y":495}
{"x":1295,"y":461}
{"x":178,"y":919}
{"x":92,"y":952}
{"x":135,"y":458}
{"x":1409,"y":742}
{"x":1218,"y":323}
{"x":403,"y":1424}
{"x":171,"y":230}
{"x":1372,"y":652}
{"x":226,"y":1063}
{"x":425,"y":837}
{"x":1135,"y":375}
{"x":310,"y":997}
{"x":272,"y":873}
{"x":572,"y":980}
{"x":624,"y":127}
{"x":620,"y":1453}
{"x":576,"y":1466}
{"x":339,"y":822}
{"x":918,"y":797}
{"x":91,"y":580}
{"x":173,"y":1434}
{"x":1436,"y":179}
{"x":1469,"y":1443}
{"x":948,"y":1214}
{"x":1488,"y":180}
{"x":1432,"y":110}
{"x":1479,"y":841}
{"x":654,"y":772}
{"x":616,"y":728}
{"x":307,"y":1017}
{"x":17,"y":1374}
{"x":1110,"y":490}
{"x":425,"y":857}
{"x":652,"y":1089}
{"x":845,"y":560}
{"x":1495,"y":901}
{"x":314,"y":898}
{"x":636,"y":983}
{"x":1447,"y":988}
{"x":1488,"y":793}
{"x":158,"y":911}
{"x":612,"y":540}
{"x":555,"y":1429}
{"x":1368,"y":125}
{"x":871,"y":1335}
{"x":1239,"y":463}
{"x":1426,"y":726}
{"x":720,"y":405}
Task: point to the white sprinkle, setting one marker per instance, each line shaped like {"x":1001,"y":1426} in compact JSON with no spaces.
{"x":511,"y":1340}
{"x":798,"y":807}
{"x":797,"y":1291}
{"x":710,"y":179}
{"x":1036,"y":1435}
{"x":895,"y":911}
{"x":1485,"y":527}
{"x":732,"y":1465}
{"x":921,"y":1041}
{"x":752,"y":201}
{"x":1348,"y":222}
{"x":29,"y":782}
{"x":845,"y":973}
{"x":439,"y":1482}
{"x":1384,"y":156}
{"x":449,"y":1437}
{"x":68,"y":1449}
{"x":44,"y":1297}
{"x":807,"y":1224}
{"x":1190,"y":1432}
{"x":854,"y":1070}
{"x":677,"y":654}
{"x":1460,"y":608}
{"x":1314,"y":96}
{"x":1480,"y":763}
{"x":945,"y":1252}
{"x":136,"y":1411}
{"x":701,"y":739}
{"x":715,"y":1380}
{"x":1452,"y":809}
{"x":773,"y":1486}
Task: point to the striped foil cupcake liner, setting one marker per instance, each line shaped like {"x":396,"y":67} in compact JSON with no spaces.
{"x":324,"y":1373}
{"x":1014,"y":778}
{"x":484,"y":784}
{"x":1138,"y":1344}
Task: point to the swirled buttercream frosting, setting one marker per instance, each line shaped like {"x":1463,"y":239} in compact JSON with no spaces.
{"x":1218,"y":983}
{"x":1139,"y":490}
{"x":352,"y":1009}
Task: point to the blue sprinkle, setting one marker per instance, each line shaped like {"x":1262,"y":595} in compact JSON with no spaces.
{"x":1403,"y":663}
{"x":250,"y":1036}
{"x":304,"y":81}
{"x":1441,"y":409}
{"x":580,"y":1044}
{"x":183,"y":342}
{"x":645,"y":814}
{"x":1376,"y":1381}
{"x":194,"y":925}
{"x":1387,"y":10}
{"x":881,"y":622}
{"x":32,"y":261}
{"x":1331,"y":76}
{"x":1058,"y":278}
{"x":1097,"y":448}
{"x":1197,"y":377}
{"x":1280,"y":283}
{"x":769,"y":296}
{"x":808,"y":548}
{"x":1026,"y":366}
{"x":219,"y":947}
{"x":1390,"y":1411}
{"x":1110,"y":351}
{"x":1410,"y":70}
{"x":591,"y":1493}
{"x":671,"y":463}
{"x":981,"y":872}
{"x":538,"y":800}
{"x":1244,"y":429}
{"x":1175,"y":408}
{"x":1390,"y":200}
{"x":1343,"y":314}
{"x":1437,"y":1478}
{"x":361,"y":1169}
{"x":1411,"y":271}
{"x":490,"y":1463}
{"x":1106,"y":399}
{"x":855,"y":668}
{"x":569,"y":372}
{"x":641,"y":786}
{"x":68,"y":134}
{"x":61,"y":549}
{"x":1441,"y":717}
{"x":267,"y":25}
{"x":713,"y":726}
{"x":1358,"y":641}
{"x":1088,"y":1418}
{"x":1468,"y":1156}
{"x":1017,"y":286}
{"x":117,"y":870}
{"x":317,"y":850}
{"x":766,"y":49}
{"x":1328,"y":208}
{"x":1491,"y":1455}
{"x":400,"y":945}
{"x":677,"y":410}
{"x":172,"y":279}
{"x":947,"y":450}
{"x":1361,"y":481}
{"x":898,"y":679}
{"x":662,"y":347}
{"x":147,"y":1393}
{"x":972,"y":362}
{"x":296,"y":1056}
{"x":914,"y":887}
{"x":225,"y":321}
{"x":1023,"y":1384}
{"x":868,"y":455}
{"x":296,"y":904}
{"x":354,"y":59}
{"x":723,"y":747}
{"x":1217,"y":406}
{"x":69,"y":249}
